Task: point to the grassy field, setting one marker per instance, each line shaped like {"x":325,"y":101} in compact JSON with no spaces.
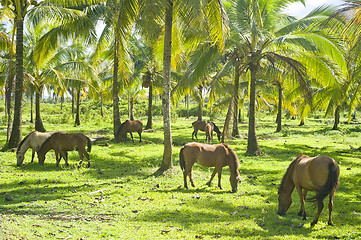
{"x":118,"y":197}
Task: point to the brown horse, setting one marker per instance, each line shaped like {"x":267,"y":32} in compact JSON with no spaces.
{"x":206,"y":155}
{"x":61,"y":143}
{"x":209,"y":132}
{"x":319,"y":174}
{"x":201,"y":126}
{"x":129,"y":127}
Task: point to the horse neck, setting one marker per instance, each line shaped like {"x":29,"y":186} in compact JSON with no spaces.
{"x":232,"y":164}
{"x":24,"y":146}
{"x":45,"y":148}
{"x":288,"y":184}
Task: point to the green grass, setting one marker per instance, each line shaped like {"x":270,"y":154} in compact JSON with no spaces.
{"x":118,"y":197}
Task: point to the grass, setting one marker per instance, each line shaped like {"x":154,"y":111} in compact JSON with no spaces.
{"x":118,"y":197}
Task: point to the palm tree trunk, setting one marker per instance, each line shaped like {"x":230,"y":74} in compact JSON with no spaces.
{"x":226,"y":122}
{"x":150,"y":111}
{"x":279,"y":109}
{"x":252,"y":144}
{"x":32,"y":107}
{"x":200,"y":104}
{"x":38,"y":122}
{"x":101,"y":107}
{"x":17,"y":125}
{"x":77,"y":115}
{"x":116,"y":115}
{"x":167,"y":162}
{"x":187,"y":103}
{"x":337,"y":118}
{"x":235,"y":131}
{"x":131,"y":112}
{"x":72,"y":102}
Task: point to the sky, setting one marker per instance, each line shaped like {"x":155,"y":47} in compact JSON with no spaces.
{"x":298,"y":10}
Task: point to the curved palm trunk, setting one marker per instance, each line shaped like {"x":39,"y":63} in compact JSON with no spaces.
{"x":116,"y":115}
{"x":226,"y":122}
{"x":77,"y":114}
{"x":337,"y":118}
{"x":150,"y":111}
{"x":167,"y":154}
{"x":8,"y":106}
{"x":200,"y":104}
{"x":235,"y":130}
{"x":38,"y":122}
{"x":32,"y":107}
{"x":16,"y":128}
{"x":131,"y":109}
{"x":279,"y":109}
{"x":252,"y":145}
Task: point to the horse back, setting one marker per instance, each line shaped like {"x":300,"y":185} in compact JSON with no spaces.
{"x":205,"y":154}
{"x":312,"y":173}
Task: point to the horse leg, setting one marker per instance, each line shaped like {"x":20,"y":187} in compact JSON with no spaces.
{"x":219,"y":177}
{"x":330,"y":207}
{"x":302,"y":196}
{"x":57,"y":157}
{"x":140,"y":136}
{"x":80,"y":156}
{"x":191,"y":178}
{"x":64,"y":154}
{"x":194,"y":131}
{"x":87,"y":156}
{"x":209,"y":183}
{"x":320,"y":207}
{"x":32,"y":156}
{"x":131,"y":136}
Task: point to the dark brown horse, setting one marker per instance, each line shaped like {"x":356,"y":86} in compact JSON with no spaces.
{"x":129,"y":127}
{"x":320,"y":174}
{"x":206,"y":155}
{"x":201,"y":126}
{"x":62,"y":143}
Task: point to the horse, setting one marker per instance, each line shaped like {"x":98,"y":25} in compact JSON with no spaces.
{"x":201,"y":126}
{"x":128,"y":127}
{"x":61,"y":143}
{"x":206,"y":155}
{"x":33,"y":140}
{"x":209,"y":132}
{"x":320,"y":174}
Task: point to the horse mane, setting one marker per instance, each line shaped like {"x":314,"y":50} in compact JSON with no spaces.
{"x":294,"y":161}
{"x":233,"y":159}
{"x":22,"y":141}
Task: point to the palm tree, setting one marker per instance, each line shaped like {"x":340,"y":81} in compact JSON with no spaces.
{"x":20,"y":9}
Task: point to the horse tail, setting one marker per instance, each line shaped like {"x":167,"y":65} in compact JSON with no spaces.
{"x":182,"y":162}
{"x":331,"y":183}
{"x":89,"y":144}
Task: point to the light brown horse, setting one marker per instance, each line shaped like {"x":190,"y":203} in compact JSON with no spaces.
{"x":129,"y":127}
{"x":33,"y":140}
{"x":209,"y":132}
{"x":61,"y":143}
{"x":320,"y":174}
{"x":201,"y":126}
{"x":206,"y":155}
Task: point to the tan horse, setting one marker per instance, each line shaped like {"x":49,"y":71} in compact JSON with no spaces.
{"x":206,"y":155}
{"x":33,"y":140}
{"x":201,"y":126}
{"x":129,"y":127}
{"x":209,"y":132}
{"x":62,"y":143}
{"x":320,"y":174}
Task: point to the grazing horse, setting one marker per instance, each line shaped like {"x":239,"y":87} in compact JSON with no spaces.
{"x":201,"y":126}
{"x":209,"y":132}
{"x":206,"y":155}
{"x":33,"y":140}
{"x":61,"y":143}
{"x":320,"y":174}
{"x":129,"y":127}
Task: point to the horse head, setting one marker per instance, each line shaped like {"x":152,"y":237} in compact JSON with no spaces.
{"x":19,"y":158}
{"x":284,"y":202}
